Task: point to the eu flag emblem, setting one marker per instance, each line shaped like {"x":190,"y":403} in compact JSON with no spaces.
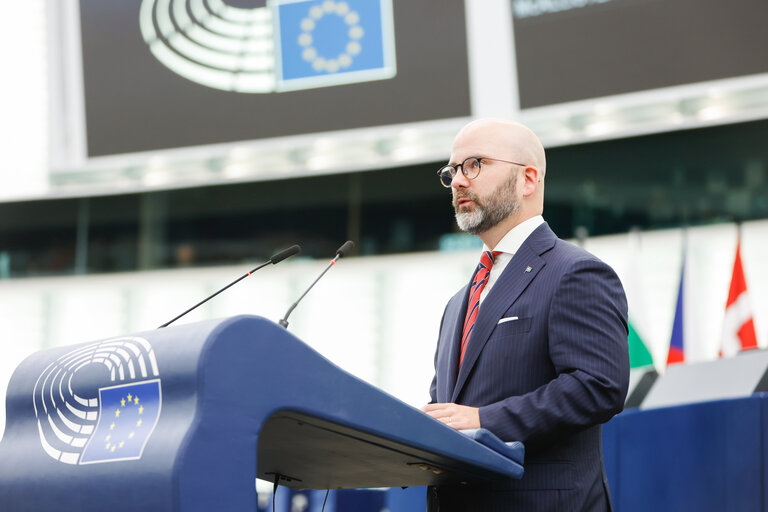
{"x":329,"y":42}
{"x":127,"y":416}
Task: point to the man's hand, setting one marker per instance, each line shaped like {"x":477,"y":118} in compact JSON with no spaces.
{"x":456,"y":416}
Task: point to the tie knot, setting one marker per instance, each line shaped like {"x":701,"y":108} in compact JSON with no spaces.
{"x":488,"y":257}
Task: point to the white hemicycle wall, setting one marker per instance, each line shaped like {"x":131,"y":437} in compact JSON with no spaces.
{"x":376,"y":317}
{"x":24,"y":101}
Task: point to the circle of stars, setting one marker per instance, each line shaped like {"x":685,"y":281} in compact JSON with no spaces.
{"x":129,"y":401}
{"x":355,"y":33}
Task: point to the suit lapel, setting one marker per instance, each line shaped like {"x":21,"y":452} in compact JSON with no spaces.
{"x":509,"y":286}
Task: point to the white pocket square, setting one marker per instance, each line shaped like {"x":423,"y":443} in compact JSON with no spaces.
{"x":507,"y":319}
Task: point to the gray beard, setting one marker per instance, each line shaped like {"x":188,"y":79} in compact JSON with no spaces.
{"x":500,"y":205}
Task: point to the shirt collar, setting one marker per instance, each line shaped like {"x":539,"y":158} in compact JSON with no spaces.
{"x":517,"y":235}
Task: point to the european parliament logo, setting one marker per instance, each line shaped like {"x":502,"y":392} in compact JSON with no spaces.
{"x":99,"y":403}
{"x":287,"y":45}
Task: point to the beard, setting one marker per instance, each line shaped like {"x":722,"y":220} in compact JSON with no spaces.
{"x":499,"y":205}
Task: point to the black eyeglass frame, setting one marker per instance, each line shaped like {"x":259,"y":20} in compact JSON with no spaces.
{"x":451,"y":170}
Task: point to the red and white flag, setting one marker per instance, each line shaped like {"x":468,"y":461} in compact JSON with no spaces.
{"x":738,"y":326}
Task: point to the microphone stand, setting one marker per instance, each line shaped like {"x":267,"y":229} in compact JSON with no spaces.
{"x":277,"y":258}
{"x":343,"y":251}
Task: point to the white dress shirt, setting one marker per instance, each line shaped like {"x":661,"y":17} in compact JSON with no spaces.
{"x":508,"y":246}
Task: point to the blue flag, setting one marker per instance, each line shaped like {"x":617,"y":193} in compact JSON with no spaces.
{"x":127,"y":416}
{"x":676,"y":343}
{"x":327,"y":42}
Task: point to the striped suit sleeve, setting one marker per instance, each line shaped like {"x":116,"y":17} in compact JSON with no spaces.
{"x":587,"y":344}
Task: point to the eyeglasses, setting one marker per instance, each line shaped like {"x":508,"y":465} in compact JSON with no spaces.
{"x":470,"y":168}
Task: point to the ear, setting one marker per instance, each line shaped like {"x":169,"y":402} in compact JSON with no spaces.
{"x":531,"y":177}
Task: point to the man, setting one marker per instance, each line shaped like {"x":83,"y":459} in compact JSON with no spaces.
{"x":534,"y":349}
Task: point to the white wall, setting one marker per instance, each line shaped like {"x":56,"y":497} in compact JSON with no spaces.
{"x":376,"y":317}
{"x":711,"y":253}
{"x":24,"y":100}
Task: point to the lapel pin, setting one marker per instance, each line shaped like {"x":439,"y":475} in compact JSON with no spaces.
{"x":528,"y":269}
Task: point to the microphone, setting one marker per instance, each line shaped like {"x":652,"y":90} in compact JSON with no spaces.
{"x":275,"y":259}
{"x":342,"y":251}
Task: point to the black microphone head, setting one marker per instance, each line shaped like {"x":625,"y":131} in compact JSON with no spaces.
{"x":345,"y":249}
{"x":285,"y":253}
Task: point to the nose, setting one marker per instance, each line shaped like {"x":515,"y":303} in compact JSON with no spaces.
{"x":459,"y":180}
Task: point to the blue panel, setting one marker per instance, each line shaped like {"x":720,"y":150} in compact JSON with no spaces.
{"x":410,"y":499}
{"x":345,"y":500}
{"x":360,"y":500}
{"x":704,"y":457}
{"x":764,"y":418}
{"x":743,"y":464}
{"x":611,"y":453}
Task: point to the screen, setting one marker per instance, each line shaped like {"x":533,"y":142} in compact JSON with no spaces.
{"x":162,"y":74}
{"x":569,"y":50}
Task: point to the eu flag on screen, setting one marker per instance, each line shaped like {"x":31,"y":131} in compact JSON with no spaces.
{"x":327,"y":42}
{"x":127,"y":416}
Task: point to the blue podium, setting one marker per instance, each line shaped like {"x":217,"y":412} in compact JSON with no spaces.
{"x":186,"y":418}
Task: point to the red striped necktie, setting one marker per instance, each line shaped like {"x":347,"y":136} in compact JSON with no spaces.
{"x":476,"y":289}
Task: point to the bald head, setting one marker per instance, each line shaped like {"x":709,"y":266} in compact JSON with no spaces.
{"x":499,"y":138}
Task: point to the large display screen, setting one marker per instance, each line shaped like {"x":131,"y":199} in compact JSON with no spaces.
{"x":161,"y":74}
{"x":569,"y":50}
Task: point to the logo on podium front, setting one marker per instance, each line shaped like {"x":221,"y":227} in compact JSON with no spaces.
{"x":99,"y":403}
{"x":127,"y":416}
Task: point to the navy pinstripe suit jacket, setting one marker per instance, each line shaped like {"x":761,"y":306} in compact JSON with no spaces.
{"x":550,"y":378}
